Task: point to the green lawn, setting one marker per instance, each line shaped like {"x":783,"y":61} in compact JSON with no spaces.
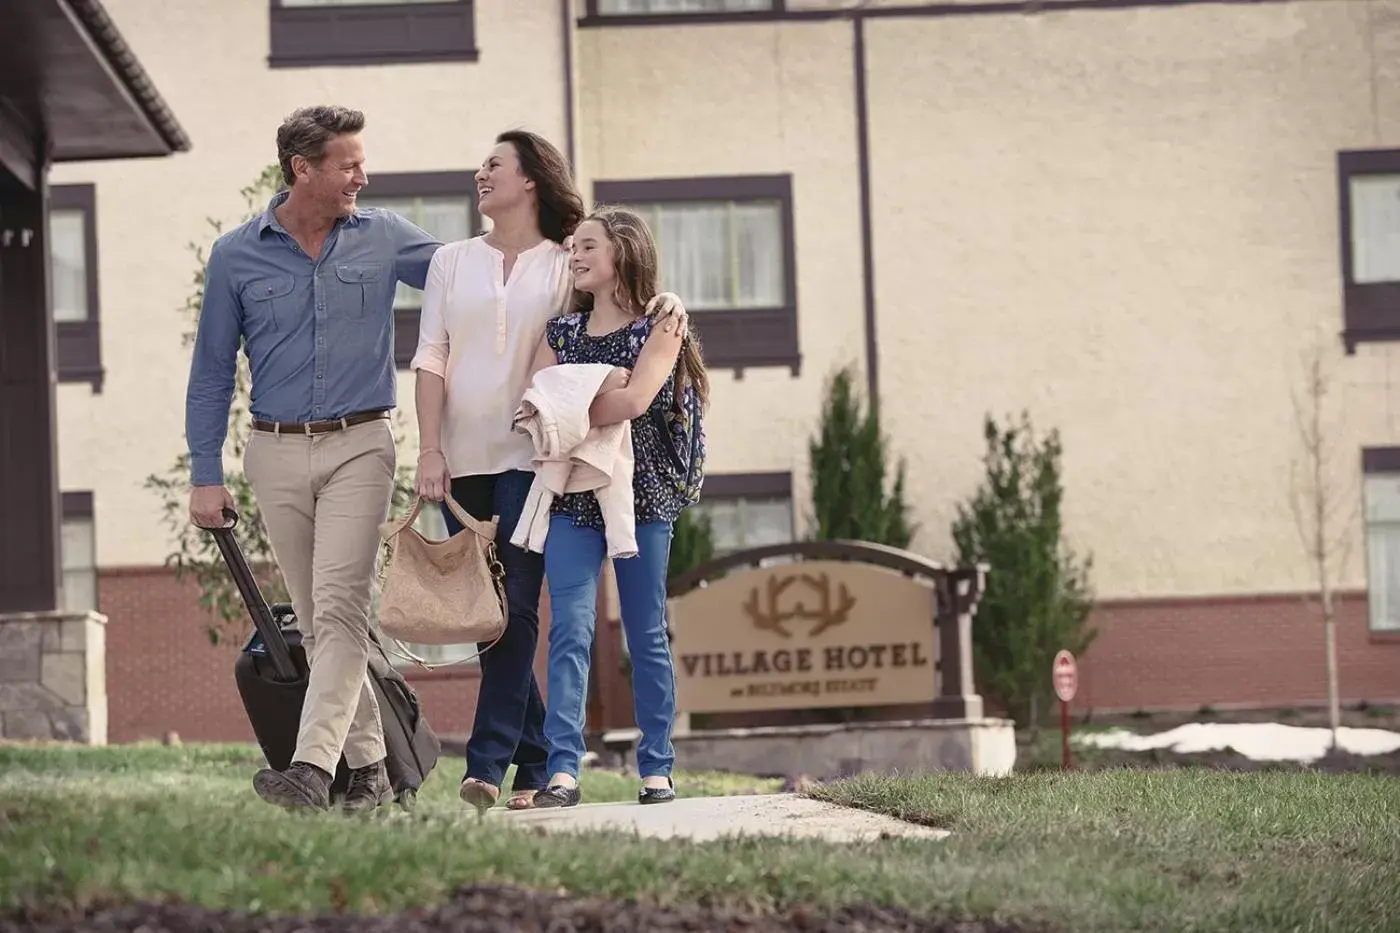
{"x":1113,"y":850}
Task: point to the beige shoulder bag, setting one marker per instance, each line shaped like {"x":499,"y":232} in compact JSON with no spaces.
{"x":448,"y":592}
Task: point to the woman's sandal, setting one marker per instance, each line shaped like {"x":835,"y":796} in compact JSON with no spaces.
{"x":479,"y":794}
{"x":521,"y":800}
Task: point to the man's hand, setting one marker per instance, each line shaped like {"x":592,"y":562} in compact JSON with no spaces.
{"x":207,"y":504}
{"x":671,"y":313}
{"x":434,"y":479}
{"x":617,"y":379}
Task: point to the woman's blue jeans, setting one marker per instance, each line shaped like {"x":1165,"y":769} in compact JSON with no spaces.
{"x":509,"y":726}
{"x":573,"y":559}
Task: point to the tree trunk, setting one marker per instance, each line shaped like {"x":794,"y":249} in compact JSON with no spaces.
{"x":1334,"y":705}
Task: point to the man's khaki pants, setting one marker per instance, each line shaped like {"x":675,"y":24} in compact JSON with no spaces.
{"x":323,"y":497}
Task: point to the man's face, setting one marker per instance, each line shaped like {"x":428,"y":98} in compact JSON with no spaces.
{"x":334,"y":185}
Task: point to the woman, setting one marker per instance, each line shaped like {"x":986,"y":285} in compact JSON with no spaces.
{"x":485,"y":305}
{"x":657,"y":374}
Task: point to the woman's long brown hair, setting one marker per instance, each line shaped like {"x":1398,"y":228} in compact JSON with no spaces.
{"x":560,"y":205}
{"x":636,"y":270}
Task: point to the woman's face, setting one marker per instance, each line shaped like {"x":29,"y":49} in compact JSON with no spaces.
{"x":591,"y":259}
{"x":500,"y":184}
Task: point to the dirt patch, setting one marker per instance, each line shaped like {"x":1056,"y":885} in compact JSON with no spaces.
{"x":489,"y":909}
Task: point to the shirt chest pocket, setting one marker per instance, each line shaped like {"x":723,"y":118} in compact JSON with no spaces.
{"x":268,"y":302}
{"x":360,"y":286}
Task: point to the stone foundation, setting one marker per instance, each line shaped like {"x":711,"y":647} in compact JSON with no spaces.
{"x":825,"y":752}
{"x":53,"y":680}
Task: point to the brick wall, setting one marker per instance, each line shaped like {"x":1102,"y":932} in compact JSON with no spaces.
{"x":1236,"y":651}
{"x":1265,"y":651}
{"x":164,"y":675}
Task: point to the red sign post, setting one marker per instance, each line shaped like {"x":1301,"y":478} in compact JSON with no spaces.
{"x":1065,"y":675}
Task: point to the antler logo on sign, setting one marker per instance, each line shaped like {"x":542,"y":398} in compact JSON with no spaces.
{"x":770,"y":618}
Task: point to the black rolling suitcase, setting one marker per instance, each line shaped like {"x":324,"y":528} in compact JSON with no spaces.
{"x":271,"y":672}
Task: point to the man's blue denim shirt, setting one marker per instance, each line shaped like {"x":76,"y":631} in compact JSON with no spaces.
{"x":319,"y":335}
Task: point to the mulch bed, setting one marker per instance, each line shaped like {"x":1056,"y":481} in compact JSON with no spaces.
{"x":495,"y":909}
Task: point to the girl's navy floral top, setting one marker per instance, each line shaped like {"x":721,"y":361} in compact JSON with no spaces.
{"x":658,"y":490}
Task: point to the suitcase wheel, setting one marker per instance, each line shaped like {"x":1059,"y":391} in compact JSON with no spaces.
{"x":408,"y":799}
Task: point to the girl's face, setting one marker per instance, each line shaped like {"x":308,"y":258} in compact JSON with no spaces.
{"x":592,"y":259}
{"x":500,"y":184}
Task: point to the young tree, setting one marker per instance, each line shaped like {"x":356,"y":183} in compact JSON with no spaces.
{"x":195,"y":555}
{"x":1324,"y":509}
{"x":1037,"y":599}
{"x":848,"y":462}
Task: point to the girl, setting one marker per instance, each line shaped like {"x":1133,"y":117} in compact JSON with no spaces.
{"x":658,"y":373}
{"x":485,"y":306}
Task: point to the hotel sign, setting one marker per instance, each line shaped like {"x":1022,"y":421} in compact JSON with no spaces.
{"x":805,"y":635}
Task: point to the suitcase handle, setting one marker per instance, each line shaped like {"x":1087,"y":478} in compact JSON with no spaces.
{"x":266,"y":625}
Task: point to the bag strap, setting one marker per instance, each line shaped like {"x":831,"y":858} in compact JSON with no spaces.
{"x":391,"y":529}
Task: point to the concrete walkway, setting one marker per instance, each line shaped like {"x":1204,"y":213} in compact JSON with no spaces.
{"x":705,"y":818}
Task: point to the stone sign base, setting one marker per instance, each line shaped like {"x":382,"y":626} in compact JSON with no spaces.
{"x":53,"y":676}
{"x":825,"y":752}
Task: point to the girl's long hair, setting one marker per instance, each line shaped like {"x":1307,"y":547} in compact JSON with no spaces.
{"x":560,"y":208}
{"x":636,"y":270}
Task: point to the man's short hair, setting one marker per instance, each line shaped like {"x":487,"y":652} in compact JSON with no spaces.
{"x":306,"y":131}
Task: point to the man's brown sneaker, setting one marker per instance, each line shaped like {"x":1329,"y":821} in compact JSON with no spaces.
{"x":369,"y":787}
{"x":301,"y":786}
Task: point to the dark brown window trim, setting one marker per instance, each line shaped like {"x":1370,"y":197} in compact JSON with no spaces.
{"x":420,"y":185}
{"x":371,"y":34}
{"x":1370,"y":312}
{"x":592,"y":19}
{"x":1380,"y":460}
{"x":750,"y":486}
{"x":739,"y":339}
{"x":1375,"y":461}
{"x":747,"y":486}
{"x":80,"y":342}
{"x":77,"y":505}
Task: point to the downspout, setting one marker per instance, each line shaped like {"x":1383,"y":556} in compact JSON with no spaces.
{"x":570,"y":37}
{"x":867,"y":246}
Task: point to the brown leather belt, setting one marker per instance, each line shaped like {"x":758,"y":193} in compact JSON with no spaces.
{"x":318,"y":427}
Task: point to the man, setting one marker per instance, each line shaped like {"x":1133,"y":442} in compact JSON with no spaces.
{"x":309,"y":286}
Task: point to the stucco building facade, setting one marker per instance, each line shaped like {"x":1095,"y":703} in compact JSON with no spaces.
{"x":1134,"y":220}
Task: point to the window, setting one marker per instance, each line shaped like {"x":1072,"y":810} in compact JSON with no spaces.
{"x":307,"y":33}
{"x":73,"y":282}
{"x":643,"y":7}
{"x":748,"y":510}
{"x":1370,"y":226}
{"x":726,"y":247}
{"x":433,"y":526}
{"x":1381,"y":491}
{"x":442,"y":203}
{"x":79,"y":553}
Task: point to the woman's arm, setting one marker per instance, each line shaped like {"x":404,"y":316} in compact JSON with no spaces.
{"x":544,"y":357}
{"x":429,"y":364}
{"x":654,"y":366}
{"x":434,"y":479}
{"x":429,"y":400}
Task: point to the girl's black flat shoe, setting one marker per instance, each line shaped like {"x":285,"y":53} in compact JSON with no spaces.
{"x":557,"y":796}
{"x":658,"y":794}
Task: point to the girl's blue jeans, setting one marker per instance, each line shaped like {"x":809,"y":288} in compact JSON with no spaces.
{"x":573,"y":559}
